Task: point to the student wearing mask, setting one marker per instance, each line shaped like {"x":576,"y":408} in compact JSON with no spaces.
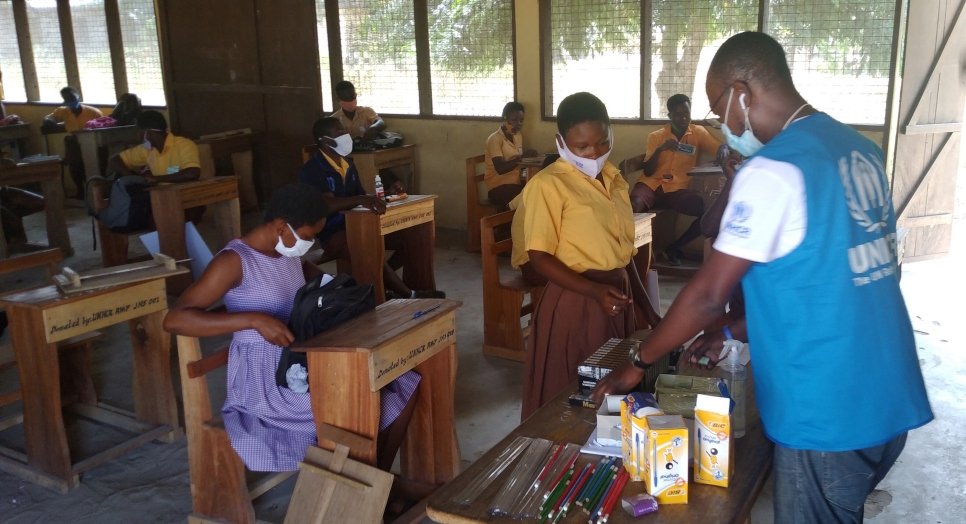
{"x":822,"y":350}
{"x":579,"y":234}
{"x":671,"y":152}
{"x":361,"y":122}
{"x":162,"y":156}
{"x":504,"y":151}
{"x":335,"y":176}
{"x":71,"y":117}
{"x":258,"y":276}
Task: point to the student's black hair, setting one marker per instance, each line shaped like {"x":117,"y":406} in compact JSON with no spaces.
{"x":677,"y":100}
{"x":510,"y":107}
{"x":151,"y":119}
{"x":324,"y":126}
{"x":751,"y":55}
{"x":69,"y":89}
{"x":579,"y":108}
{"x":298,"y":204}
{"x":549,"y":159}
{"x":343,"y":87}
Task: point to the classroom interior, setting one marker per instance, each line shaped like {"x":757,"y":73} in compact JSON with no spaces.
{"x":270,"y":66}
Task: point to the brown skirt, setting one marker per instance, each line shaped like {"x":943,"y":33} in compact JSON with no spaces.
{"x":567,"y":328}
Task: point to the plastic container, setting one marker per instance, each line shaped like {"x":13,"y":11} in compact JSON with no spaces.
{"x":380,"y":191}
{"x":735,"y":376}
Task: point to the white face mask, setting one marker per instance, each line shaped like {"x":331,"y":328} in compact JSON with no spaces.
{"x":747,"y":144}
{"x":146,"y":144}
{"x":590,"y":167}
{"x":343,"y":144}
{"x":300,"y":248}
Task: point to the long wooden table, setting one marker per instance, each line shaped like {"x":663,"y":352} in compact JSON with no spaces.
{"x":168,"y":202}
{"x":349,"y":364}
{"x":42,"y":317}
{"x":47,"y":173}
{"x":17,"y":134}
{"x":560,"y":422}
{"x":414,"y":219}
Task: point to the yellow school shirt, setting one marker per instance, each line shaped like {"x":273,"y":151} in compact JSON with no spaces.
{"x":342,"y":167}
{"x":178,"y":154}
{"x":518,"y":254}
{"x":74,"y":122}
{"x":585,"y":224}
{"x":361,"y":120}
{"x":497,"y":145}
{"x":677,"y":163}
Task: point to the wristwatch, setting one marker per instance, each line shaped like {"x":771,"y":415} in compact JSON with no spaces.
{"x":635,"y":356}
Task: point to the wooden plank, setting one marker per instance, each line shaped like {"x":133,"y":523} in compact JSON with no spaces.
{"x":341,"y":397}
{"x":208,"y":363}
{"x":267,"y":483}
{"x":120,"y":449}
{"x":15,"y":466}
{"x":925,"y":129}
{"x":105,"y":309}
{"x":104,"y":416}
{"x":109,"y":277}
{"x":31,"y":85}
{"x":927,"y":220}
{"x":432,"y":424}
{"x":407,"y":213}
{"x":13,"y":420}
{"x":47,"y":257}
{"x":408,"y":351}
{"x":154,"y":399}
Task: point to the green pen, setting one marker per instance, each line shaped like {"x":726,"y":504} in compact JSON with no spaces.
{"x":555,"y":494}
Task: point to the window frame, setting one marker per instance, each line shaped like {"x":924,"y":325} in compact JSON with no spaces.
{"x":546,"y":66}
{"x":65,"y":25}
{"x":423,"y":62}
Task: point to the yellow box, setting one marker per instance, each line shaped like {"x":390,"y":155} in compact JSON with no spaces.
{"x":666,"y":467}
{"x":634,"y":409}
{"x":714,"y":449}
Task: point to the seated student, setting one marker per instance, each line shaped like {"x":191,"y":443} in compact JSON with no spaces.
{"x":127,"y":109}
{"x":258,"y":275}
{"x":329,"y":171}
{"x":163,"y":157}
{"x":362,"y":122}
{"x":579,"y":234}
{"x":671,"y":152}
{"x":504,"y":150}
{"x":71,"y":117}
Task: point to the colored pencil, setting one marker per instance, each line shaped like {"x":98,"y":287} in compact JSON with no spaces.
{"x":613,"y":502}
{"x":566,"y":493}
{"x":592,"y":501}
{"x":567,"y":467}
{"x":555,"y":494}
{"x":606,"y":494}
{"x":549,"y":464}
{"x":578,"y":484}
{"x":614,"y":490}
{"x":590,"y":482}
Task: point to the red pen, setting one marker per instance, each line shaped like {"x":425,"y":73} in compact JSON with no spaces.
{"x":609,"y":505}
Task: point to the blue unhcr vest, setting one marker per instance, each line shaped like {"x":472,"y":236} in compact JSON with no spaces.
{"x":832,"y":346}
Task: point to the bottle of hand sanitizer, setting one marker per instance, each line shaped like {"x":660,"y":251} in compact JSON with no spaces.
{"x":735,"y":375}
{"x":380,"y":192}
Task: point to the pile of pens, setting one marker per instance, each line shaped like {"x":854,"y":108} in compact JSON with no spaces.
{"x":595,"y":490}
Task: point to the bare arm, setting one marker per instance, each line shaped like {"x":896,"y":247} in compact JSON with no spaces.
{"x":610,"y":299}
{"x":118,"y":166}
{"x":336,"y":204}
{"x":185,"y":175}
{"x":189,"y":315}
{"x":650,"y":165}
{"x":504,"y":166}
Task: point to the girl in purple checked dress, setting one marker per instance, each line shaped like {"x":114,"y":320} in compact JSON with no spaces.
{"x":258,"y":275}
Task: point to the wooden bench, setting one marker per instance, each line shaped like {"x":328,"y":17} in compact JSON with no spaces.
{"x":476,"y":207}
{"x":503,"y":299}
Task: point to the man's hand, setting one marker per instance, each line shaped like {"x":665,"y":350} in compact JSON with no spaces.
{"x":372,"y":203}
{"x":619,"y":381}
{"x":669,"y":145}
{"x":708,"y":344}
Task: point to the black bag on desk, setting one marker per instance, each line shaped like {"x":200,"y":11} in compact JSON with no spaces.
{"x":317,"y":308}
{"x":129,"y":207}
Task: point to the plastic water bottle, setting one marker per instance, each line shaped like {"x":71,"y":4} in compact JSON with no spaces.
{"x":380,"y":191}
{"x":735,"y":375}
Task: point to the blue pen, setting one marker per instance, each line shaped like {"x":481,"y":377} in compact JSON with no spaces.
{"x":423,"y":312}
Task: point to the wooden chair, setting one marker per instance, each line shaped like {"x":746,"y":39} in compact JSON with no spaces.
{"x":477,"y":205}
{"x":503,"y":305}
{"x":75,"y":351}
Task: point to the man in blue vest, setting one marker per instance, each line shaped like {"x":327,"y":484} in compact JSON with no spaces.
{"x":812,"y":199}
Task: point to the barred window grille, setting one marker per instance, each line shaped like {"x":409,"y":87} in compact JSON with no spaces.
{"x":471,"y":56}
{"x":839,"y":52}
{"x":47,"y":49}
{"x":13,"y":85}
{"x":142,"y":58}
{"x":595,"y":47}
{"x":93,"y":52}
{"x":324,"y":67}
{"x":379,"y":53}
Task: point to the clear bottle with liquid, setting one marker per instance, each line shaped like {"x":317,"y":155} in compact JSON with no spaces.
{"x":380,"y":191}
{"x":735,"y":375}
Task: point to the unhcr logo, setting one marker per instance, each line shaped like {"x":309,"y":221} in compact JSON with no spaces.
{"x":865,"y":193}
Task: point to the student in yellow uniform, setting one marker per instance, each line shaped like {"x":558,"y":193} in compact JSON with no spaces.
{"x":579,"y":234}
{"x":504,"y":151}
{"x":162,"y":157}
{"x":672,"y":151}
{"x":71,"y":117}
{"x":362,"y":122}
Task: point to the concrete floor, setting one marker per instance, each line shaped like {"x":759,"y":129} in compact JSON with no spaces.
{"x":928,"y":484}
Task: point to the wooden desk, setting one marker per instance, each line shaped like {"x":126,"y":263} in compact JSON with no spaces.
{"x":47,"y":173}
{"x":559,"y":422}
{"x":414,"y":219}
{"x":168,"y":202}
{"x":16,"y":134}
{"x":97,"y":145}
{"x":707,"y":180}
{"x":231,"y":153}
{"x":349,"y":364}
{"x":368,"y":163}
{"x":41,"y":317}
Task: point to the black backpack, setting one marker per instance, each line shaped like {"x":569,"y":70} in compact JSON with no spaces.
{"x":129,"y":207}
{"x":317,"y":308}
